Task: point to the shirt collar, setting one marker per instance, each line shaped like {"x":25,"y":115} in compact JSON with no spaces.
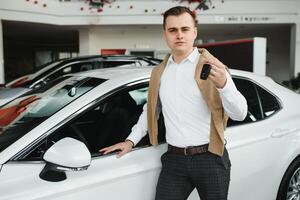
{"x":191,"y":58}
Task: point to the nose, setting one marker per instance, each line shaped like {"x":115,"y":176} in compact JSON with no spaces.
{"x":179,"y":35}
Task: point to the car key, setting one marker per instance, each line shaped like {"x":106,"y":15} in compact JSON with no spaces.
{"x":205,"y":71}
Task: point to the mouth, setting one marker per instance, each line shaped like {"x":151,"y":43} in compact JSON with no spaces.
{"x":179,"y":43}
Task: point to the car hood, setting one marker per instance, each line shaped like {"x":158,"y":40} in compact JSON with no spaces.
{"x":8,"y":94}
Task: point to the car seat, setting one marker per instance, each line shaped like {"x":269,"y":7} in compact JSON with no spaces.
{"x":120,"y":115}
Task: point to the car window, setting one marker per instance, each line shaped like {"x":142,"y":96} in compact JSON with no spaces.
{"x":106,"y":123}
{"x":47,"y":86}
{"x":73,"y":68}
{"x":269,"y":102}
{"x":248,"y":90}
{"x":44,"y":72}
{"x":25,"y":113}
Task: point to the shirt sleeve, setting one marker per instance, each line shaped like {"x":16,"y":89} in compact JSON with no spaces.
{"x":234,"y":103}
{"x":139,"y":130}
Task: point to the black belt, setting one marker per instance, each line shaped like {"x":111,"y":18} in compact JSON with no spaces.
{"x":188,"y":151}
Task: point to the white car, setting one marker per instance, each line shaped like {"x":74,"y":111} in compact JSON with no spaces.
{"x":49,"y":145}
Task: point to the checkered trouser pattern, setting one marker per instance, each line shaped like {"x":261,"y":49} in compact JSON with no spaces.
{"x":207,"y":172}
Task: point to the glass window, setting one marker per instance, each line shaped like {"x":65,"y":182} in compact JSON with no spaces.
{"x":269,"y":103}
{"x":25,"y":113}
{"x":73,"y":68}
{"x":47,"y":86}
{"x":47,"y":69}
{"x":248,"y":90}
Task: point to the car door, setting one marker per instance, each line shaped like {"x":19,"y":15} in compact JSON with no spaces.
{"x":106,"y":122}
{"x":251,"y":147}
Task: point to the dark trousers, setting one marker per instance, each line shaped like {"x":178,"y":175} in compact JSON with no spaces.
{"x":180,"y":174}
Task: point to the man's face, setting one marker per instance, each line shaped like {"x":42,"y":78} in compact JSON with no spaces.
{"x":180,"y":33}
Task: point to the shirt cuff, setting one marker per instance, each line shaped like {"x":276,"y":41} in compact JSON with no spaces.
{"x":132,"y":139}
{"x":229,"y":85}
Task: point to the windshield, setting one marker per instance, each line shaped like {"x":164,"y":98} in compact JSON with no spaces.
{"x":25,"y":113}
{"x":47,"y":69}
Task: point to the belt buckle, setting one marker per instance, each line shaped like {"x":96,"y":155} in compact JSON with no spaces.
{"x":184,"y":151}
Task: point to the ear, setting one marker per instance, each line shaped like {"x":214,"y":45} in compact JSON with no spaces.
{"x":196,"y":32}
{"x":164,"y":34}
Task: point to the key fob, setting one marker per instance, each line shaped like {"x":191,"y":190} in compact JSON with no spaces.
{"x":205,"y":71}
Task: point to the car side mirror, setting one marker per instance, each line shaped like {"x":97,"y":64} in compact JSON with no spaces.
{"x":67,"y":154}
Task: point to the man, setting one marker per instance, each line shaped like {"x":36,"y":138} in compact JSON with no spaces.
{"x":195,"y":114}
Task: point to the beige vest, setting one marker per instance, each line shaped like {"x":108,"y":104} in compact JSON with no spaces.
{"x":210,"y":95}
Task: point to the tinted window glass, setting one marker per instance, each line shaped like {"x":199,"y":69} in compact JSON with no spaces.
{"x":46,"y":86}
{"x":46,"y":70}
{"x":269,"y":103}
{"x":73,"y":68}
{"x":247,"y":89}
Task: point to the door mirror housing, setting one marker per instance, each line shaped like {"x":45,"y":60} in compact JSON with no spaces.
{"x":67,"y":154}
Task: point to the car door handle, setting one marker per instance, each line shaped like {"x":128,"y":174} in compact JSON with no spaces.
{"x":280,"y":132}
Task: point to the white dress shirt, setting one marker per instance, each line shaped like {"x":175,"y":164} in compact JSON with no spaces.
{"x":186,"y":115}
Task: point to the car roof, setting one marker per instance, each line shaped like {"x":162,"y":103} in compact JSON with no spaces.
{"x":111,"y":57}
{"x":64,"y":61}
{"x":111,"y":73}
{"x":115,"y":73}
{"x":128,"y":74}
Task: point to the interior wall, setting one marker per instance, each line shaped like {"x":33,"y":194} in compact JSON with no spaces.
{"x":278,"y":44}
{"x":22,"y":43}
{"x":127,"y":37}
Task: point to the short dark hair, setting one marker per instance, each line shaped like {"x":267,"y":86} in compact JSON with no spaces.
{"x":176,"y":11}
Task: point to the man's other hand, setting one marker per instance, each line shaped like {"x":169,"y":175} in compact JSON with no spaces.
{"x":124,"y":148}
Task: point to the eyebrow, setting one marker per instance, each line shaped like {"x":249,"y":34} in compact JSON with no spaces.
{"x":174,"y":28}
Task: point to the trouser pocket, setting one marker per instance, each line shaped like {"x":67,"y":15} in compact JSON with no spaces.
{"x":224,"y":160}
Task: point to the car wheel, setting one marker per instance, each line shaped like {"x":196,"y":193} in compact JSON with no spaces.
{"x":290,"y":185}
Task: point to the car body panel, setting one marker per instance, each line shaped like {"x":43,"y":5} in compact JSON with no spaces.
{"x":103,"y":175}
